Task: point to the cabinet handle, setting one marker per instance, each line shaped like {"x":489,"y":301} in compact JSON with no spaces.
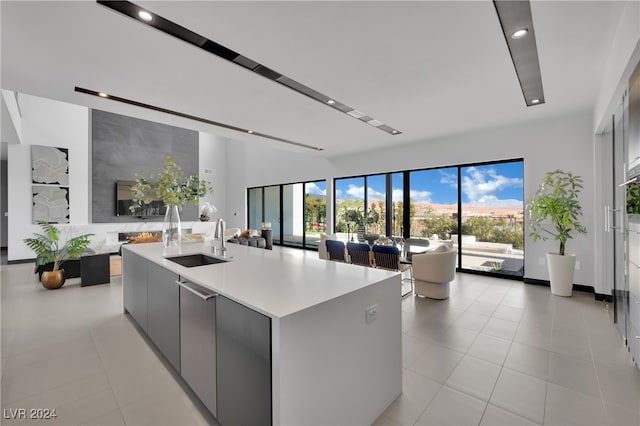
{"x":203,"y":296}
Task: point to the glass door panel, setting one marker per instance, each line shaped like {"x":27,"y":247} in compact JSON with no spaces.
{"x":255,"y":208}
{"x":292,"y":214}
{"x":315,"y":212}
{"x":433,"y":206}
{"x":397,"y":196}
{"x":272,"y":210}
{"x":492,"y":218}
{"x":377,"y":208}
{"x":349,"y":206}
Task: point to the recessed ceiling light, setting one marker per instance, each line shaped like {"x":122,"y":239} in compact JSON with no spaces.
{"x":520,"y":33}
{"x":394,"y":131}
{"x":331,"y":102}
{"x":355,"y":113}
{"x":145,"y":16}
{"x":103,"y":95}
{"x":535,"y":101}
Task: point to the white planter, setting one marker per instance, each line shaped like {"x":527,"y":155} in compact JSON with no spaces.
{"x":561,"y":273}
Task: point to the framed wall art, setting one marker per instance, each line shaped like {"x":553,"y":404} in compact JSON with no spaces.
{"x":49,"y":165}
{"x":50,"y":204}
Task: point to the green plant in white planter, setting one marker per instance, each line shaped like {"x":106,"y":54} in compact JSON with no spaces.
{"x":555,"y":211}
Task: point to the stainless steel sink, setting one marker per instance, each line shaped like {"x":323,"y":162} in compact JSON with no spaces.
{"x":192,"y":260}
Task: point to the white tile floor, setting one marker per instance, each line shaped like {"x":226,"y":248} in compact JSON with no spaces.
{"x":496,"y":353}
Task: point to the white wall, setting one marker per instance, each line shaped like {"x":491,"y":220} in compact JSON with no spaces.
{"x":51,"y":123}
{"x":563,"y":142}
{"x":213,"y":168}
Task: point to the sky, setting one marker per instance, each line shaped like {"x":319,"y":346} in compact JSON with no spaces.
{"x":496,"y":185}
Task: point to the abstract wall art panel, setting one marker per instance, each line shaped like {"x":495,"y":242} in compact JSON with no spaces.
{"x":50,"y":204}
{"x":49,"y":165}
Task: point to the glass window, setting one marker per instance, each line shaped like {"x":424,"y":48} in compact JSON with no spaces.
{"x":315,"y":212}
{"x":255,"y":208}
{"x":492,"y":218}
{"x":272,"y":210}
{"x":297,"y":212}
{"x":349,"y":206}
{"x":397,"y":197}
{"x":376,"y":213}
{"x":433,"y":206}
{"x":292,"y":215}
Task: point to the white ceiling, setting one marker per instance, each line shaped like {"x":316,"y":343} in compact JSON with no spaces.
{"x":426,"y":68}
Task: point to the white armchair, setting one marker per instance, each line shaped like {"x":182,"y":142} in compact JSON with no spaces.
{"x":433,"y":271}
{"x":322,"y":247}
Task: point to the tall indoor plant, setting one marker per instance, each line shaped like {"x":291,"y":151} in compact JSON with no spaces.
{"x":175,"y":190}
{"x":554,"y":212}
{"x":47,"y":248}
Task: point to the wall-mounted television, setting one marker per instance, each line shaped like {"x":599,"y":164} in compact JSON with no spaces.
{"x":124,"y":200}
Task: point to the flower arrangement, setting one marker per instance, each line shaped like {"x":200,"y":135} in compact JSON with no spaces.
{"x":170,"y":186}
{"x":206,"y":211}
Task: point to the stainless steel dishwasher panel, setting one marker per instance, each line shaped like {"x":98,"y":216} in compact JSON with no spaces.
{"x":198,"y":342}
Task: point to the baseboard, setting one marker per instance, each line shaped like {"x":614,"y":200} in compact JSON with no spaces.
{"x":17,"y":262}
{"x":604,"y":297}
{"x":545,"y":283}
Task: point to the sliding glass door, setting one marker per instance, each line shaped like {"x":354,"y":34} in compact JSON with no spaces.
{"x":492,"y":238}
{"x":297,"y":212}
{"x":478,"y":209}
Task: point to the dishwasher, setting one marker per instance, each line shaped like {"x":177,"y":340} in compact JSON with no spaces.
{"x":198,"y":341}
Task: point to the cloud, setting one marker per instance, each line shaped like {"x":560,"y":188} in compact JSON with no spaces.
{"x":449,"y":179}
{"x":493,"y":201}
{"x":313,"y":189}
{"x":397,"y":195}
{"x":356,"y":192}
{"x":481,"y":185}
{"x":420,"y":196}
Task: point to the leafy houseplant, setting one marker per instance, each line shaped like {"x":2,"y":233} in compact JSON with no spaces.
{"x":47,"y":248}
{"x":555,"y":211}
{"x":170,"y":186}
{"x":175,"y":190}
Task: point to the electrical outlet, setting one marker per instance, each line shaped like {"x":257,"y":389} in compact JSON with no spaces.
{"x":577,"y":265}
{"x":542,"y":261}
{"x":371,"y":313}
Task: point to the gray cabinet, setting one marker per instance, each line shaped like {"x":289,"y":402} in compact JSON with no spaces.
{"x":243,"y":364}
{"x":163,"y":316}
{"x":134,"y":283}
{"x":198,"y":342}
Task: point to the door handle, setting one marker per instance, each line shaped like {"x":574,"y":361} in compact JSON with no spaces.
{"x":200,"y":294}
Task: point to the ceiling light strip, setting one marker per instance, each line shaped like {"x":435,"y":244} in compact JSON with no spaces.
{"x":104,"y":95}
{"x":185,"y":34}
{"x":517,"y":27}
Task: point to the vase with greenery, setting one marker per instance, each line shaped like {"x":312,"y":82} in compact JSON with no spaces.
{"x":555,"y":212}
{"x":175,"y":190}
{"x":48,"y":250}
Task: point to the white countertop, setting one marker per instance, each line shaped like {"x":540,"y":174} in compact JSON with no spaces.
{"x":276,"y":282}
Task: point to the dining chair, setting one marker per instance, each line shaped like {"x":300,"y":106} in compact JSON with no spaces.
{"x":336,"y":250}
{"x":388,"y":257}
{"x":359,"y":253}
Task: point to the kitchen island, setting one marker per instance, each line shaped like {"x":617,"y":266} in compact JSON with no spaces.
{"x":273,"y":337}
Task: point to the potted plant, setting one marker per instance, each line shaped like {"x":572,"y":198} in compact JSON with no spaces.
{"x":175,"y":190}
{"x":554,"y":211}
{"x":47,"y":248}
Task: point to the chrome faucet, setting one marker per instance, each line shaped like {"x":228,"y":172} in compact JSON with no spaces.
{"x":219,"y":234}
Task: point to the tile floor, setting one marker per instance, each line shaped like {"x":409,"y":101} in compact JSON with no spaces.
{"x":496,"y":353}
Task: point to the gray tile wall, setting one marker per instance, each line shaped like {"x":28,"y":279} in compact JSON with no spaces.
{"x":122,"y":146}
